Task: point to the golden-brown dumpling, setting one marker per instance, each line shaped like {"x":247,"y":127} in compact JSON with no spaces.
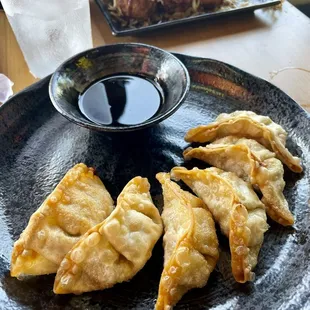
{"x":237,"y":209}
{"x":253,"y":163}
{"x":190,"y":242}
{"x":116,"y":249}
{"x":248,"y":125}
{"x":78,"y":202}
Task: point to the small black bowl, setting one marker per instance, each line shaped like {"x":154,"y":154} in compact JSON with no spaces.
{"x":75,"y":75}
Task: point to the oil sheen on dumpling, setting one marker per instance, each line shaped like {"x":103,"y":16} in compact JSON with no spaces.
{"x":253,"y":163}
{"x":78,"y":202}
{"x":248,"y":125}
{"x":236,"y":208}
{"x":116,"y":249}
{"x":190,"y":243}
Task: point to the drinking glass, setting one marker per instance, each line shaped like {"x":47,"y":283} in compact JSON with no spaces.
{"x":49,"y":31}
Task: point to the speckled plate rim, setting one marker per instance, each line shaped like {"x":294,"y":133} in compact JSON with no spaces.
{"x":179,"y":56}
{"x":146,"y":124}
{"x":22,"y":91}
{"x":291,"y":104}
{"x":245,"y":73}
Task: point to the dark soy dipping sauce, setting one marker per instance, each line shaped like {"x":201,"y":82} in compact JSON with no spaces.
{"x":121,"y":100}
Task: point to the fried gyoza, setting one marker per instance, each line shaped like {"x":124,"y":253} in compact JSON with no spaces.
{"x":253,"y":163}
{"x":78,"y":202}
{"x":190,"y":242}
{"x":237,"y":209}
{"x":248,"y":125}
{"x":116,"y":249}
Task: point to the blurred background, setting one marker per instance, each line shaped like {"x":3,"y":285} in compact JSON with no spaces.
{"x":302,"y":5}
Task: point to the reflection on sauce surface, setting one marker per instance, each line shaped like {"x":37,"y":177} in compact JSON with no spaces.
{"x":120,"y":100}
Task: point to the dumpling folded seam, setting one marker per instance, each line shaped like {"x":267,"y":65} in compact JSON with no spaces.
{"x":252,"y":162}
{"x":78,"y":202}
{"x":236,"y":208}
{"x":116,"y":249}
{"x":190,"y":244}
{"x":248,"y":125}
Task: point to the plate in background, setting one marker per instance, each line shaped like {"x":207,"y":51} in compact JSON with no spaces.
{"x":118,"y":30}
{"x":38,"y":146}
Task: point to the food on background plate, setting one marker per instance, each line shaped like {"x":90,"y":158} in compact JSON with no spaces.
{"x":253,"y":163}
{"x":135,"y":13}
{"x":144,"y":9}
{"x":248,"y":125}
{"x":116,"y":249}
{"x":79,"y":202}
{"x":172,"y":6}
{"x":236,"y":208}
{"x":190,"y":243}
{"x":139,"y":9}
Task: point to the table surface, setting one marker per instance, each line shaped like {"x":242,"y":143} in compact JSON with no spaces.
{"x":272,"y":44}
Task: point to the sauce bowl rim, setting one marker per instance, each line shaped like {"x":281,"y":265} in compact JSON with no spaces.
{"x":152,"y":121}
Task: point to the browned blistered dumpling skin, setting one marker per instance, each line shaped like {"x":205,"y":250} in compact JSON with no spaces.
{"x":252,"y":162}
{"x":236,"y":208}
{"x":190,"y":243}
{"x":78,"y":202}
{"x":116,"y":249}
{"x":248,"y":125}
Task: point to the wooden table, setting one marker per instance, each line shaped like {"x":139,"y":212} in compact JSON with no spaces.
{"x":272,"y":44}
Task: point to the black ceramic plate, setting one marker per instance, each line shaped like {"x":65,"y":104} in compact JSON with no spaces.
{"x":118,"y":30}
{"x":38,"y":145}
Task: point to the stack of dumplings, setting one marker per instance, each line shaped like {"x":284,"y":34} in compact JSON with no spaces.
{"x":247,"y":151}
{"x":253,"y":163}
{"x":78,"y":234}
{"x":249,"y":125}
{"x":90,"y":245}
{"x":117,"y":248}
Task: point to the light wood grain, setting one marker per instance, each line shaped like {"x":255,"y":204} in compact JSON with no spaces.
{"x":262,"y":43}
{"x":12,"y":62}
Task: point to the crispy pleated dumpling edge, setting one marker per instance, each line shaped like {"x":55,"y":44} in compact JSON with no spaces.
{"x":168,"y":298}
{"x":261,"y":174}
{"x":241,"y":267}
{"x":70,"y":266}
{"x":26,"y":261}
{"x":276,"y":135}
